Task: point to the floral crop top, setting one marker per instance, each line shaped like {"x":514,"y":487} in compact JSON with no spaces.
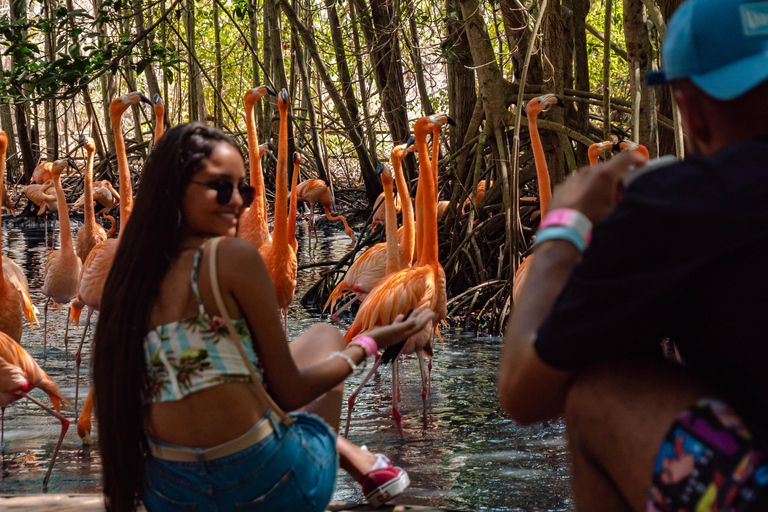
{"x":196,"y":353}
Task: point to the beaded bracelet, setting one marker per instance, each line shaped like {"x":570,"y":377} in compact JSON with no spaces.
{"x":561,"y":233}
{"x":345,"y":357}
{"x":369,"y":344}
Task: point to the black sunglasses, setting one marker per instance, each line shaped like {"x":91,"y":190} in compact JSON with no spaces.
{"x":224,"y":190}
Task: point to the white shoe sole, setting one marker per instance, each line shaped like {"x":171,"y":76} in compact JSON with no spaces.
{"x":388,"y":491}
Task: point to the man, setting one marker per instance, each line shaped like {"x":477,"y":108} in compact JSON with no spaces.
{"x":684,"y":255}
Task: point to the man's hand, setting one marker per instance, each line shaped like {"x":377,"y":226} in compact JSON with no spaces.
{"x":593,"y":190}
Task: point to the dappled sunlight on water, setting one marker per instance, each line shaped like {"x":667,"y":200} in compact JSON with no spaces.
{"x":470,"y":456}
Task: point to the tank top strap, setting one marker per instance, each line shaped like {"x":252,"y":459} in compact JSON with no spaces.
{"x":194,"y":277}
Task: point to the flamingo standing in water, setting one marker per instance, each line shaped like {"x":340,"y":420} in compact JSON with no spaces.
{"x":416,"y":288}
{"x":63,"y":265}
{"x":14,"y":288}
{"x":535,"y":107}
{"x":279,"y":257}
{"x":253,"y":225}
{"x":19,"y":374}
{"x":370,"y":267}
{"x":99,"y":261}
{"x":316,"y":191}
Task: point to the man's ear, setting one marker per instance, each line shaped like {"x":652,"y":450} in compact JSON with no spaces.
{"x":695,"y":122}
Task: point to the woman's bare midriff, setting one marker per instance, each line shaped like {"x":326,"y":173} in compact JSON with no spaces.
{"x":207,"y":417}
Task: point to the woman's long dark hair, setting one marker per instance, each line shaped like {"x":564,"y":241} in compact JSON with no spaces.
{"x":148,"y":245}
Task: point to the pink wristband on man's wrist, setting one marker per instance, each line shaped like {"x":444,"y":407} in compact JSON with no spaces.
{"x":369,"y":344}
{"x":570,"y":218}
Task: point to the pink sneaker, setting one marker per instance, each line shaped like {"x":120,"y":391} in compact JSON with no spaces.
{"x":381,"y":485}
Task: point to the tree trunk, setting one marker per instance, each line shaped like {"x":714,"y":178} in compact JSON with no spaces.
{"x":108,"y":91}
{"x":269,"y":106}
{"x":27,"y":154}
{"x":518,"y":33}
{"x":639,"y":53}
{"x":380,"y":32}
{"x":6,"y":119}
{"x":342,"y":68}
{"x":361,"y":83}
{"x":418,"y":67}
{"x":195,"y":93}
{"x":218,"y":116}
{"x":51,"y":126}
{"x":554,"y":81}
{"x":279,"y":76}
{"x":581,"y":73}
{"x":367,"y":169}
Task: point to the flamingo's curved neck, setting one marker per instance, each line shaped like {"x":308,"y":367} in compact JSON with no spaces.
{"x":542,"y":172}
{"x":159,"y":120}
{"x":89,"y":216}
{"x":281,"y":181}
{"x":393,"y":254}
{"x":258,"y":207}
{"x":124,"y":173}
{"x":65,"y":234}
{"x":428,"y":252}
{"x":3,"y":150}
{"x":406,"y":208}
{"x":294,"y":204}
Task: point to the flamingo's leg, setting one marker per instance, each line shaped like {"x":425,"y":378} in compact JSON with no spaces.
{"x":66,"y":336}
{"x":395,"y":392}
{"x":45,"y":328}
{"x":353,"y":396}
{"x":335,"y":316}
{"x":79,"y":359}
{"x":64,"y":427}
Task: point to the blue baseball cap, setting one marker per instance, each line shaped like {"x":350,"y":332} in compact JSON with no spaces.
{"x":720,"y":45}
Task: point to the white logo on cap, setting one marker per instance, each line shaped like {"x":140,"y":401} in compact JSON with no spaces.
{"x":754,"y":19}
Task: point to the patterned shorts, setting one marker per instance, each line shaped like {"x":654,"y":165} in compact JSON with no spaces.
{"x":708,"y":462}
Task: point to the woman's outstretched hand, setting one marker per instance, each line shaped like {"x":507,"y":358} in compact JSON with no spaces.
{"x":401,"y":330}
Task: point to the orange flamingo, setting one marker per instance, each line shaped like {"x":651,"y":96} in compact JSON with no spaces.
{"x":252,"y":225}
{"x":63,"y":265}
{"x":634,"y":147}
{"x":99,"y":261}
{"x":596,"y":150}
{"x":14,"y":288}
{"x":479,"y":195}
{"x":316,"y":191}
{"x":7,"y":202}
{"x":370,"y":267}
{"x":415,"y":288}
{"x":158,"y":105}
{"x":42,"y":195}
{"x":278,"y":255}
{"x":42,"y":173}
{"x":103,"y":193}
{"x":19,"y":374}
{"x":535,"y":107}
{"x":380,"y":214}
{"x":294,"y":204}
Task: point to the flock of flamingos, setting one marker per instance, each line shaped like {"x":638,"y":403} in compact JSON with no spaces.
{"x":396,"y":277}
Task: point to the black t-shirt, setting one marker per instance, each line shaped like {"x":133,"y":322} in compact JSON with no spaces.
{"x":684,"y":255}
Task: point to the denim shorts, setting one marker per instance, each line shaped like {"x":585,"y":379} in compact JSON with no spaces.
{"x":293,"y":468}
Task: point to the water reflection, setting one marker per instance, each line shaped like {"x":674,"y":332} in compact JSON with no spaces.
{"x":471,"y":456}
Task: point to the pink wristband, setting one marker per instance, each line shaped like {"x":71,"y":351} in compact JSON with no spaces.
{"x":570,"y":218}
{"x":368,"y":344}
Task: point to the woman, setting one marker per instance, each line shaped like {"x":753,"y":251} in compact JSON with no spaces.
{"x":173,"y":402}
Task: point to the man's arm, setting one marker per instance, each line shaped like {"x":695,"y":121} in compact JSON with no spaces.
{"x":529,"y":389}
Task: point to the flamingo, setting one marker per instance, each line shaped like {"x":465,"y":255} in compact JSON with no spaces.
{"x":14,"y":288}
{"x":370,"y":267}
{"x":479,"y":195}
{"x":42,"y":195}
{"x":316,"y":191}
{"x":596,"y":150}
{"x":278,"y":255}
{"x":63,"y":265}
{"x":159,"y":108}
{"x":19,"y":374}
{"x":42,"y":173}
{"x":7,"y":202}
{"x":294,"y":204}
{"x":535,"y":107}
{"x":634,"y":147}
{"x":103,"y":193}
{"x":442,"y":207}
{"x":252,"y":225}
{"x":99,"y":261}
{"x":418,"y":287}
{"x":90,"y":233}
{"x":379,"y":215}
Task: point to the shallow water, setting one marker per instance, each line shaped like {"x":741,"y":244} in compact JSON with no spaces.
{"x":470,"y":456}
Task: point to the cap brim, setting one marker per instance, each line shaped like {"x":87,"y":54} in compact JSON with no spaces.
{"x":730,"y":82}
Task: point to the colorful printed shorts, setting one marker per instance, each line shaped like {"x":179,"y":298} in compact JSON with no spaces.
{"x":708,"y":462}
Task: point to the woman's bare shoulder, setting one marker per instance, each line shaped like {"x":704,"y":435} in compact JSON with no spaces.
{"x":238,"y":255}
